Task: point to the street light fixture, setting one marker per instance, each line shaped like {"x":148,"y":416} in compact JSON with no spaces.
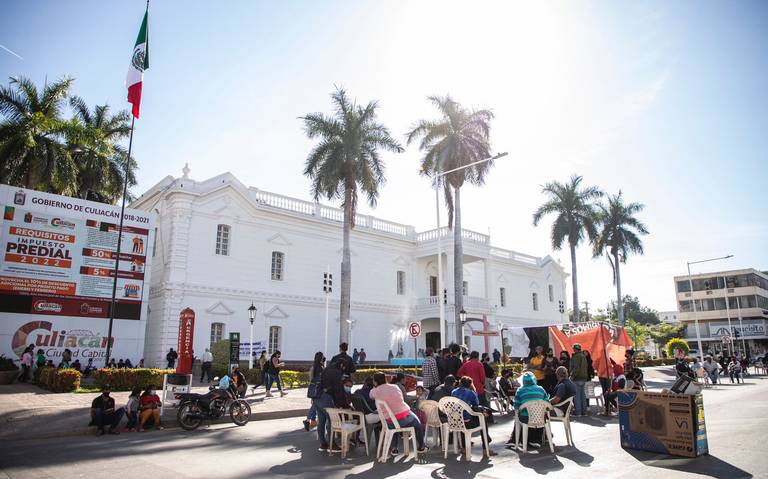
{"x":441,"y":303}
{"x":693,"y":299}
{"x":251,"y":317}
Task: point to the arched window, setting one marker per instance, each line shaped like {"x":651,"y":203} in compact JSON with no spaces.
{"x":275,"y":337}
{"x":217,"y":332}
{"x":535,"y":299}
{"x":222,"y":240}
{"x":551,"y":293}
{"x":278,"y":263}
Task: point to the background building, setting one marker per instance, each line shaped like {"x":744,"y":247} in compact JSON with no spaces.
{"x":222,"y":245}
{"x":669,"y":317}
{"x":738,"y":295}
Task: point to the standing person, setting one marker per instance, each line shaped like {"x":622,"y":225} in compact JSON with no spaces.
{"x":88,"y":368}
{"x":475,"y":370}
{"x":40,"y":360}
{"x":141,"y":363}
{"x":333,"y":395}
{"x":430,"y":372}
{"x":350,"y":368}
{"x":205,"y":370}
{"x":355,"y":356}
{"x":452,"y":362}
{"x":103,"y":412}
{"x":466,"y":393}
{"x":262,"y":360}
{"x":314,"y":390}
{"x":66,"y":359}
{"x":590,"y":366}
{"x":579,"y":376}
{"x":132,"y":409}
{"x":390,"y":394}
{"x":496,"y":356}
{"x":565,"y":358}
{"x":26,"y":364}
{"x":149,"y":405}
{"x":711,"y":368}
{"x":734,"y":370}
{"x":274,"y":365}
{"x":629,"y":361}
{"x":536,"y":363}
{"x":171,"y":358}
{"x":363,"y":356}
{"x":549,"y":366}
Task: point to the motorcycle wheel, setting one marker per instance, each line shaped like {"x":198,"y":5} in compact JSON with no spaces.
{"x":240,"y":412}
{"x":187,"y":423}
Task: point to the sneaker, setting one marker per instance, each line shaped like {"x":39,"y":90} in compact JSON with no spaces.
{"x":283,"y":393}
{"x":159,"y":428}
{"x":323,"y":447}
{"x":335,"y":448}
{"x":306,"y":425}
{"x":422,"y":450}
{"x":394,"y":452}
{"x":268,"y":395}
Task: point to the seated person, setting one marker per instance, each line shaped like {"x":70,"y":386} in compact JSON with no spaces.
{"x":466,"y":392}
{"x":103,"y":412}
{"x":365,"y":393}
{"x":239,"y":380}
{"x":392,"y":396}
{"x":507,"y":385}
{"x":619,"y":383}
{"x":444,"y":389}
{"x":530,"y":391}
{"x":149,"y":407}
{"x":564,"y":390}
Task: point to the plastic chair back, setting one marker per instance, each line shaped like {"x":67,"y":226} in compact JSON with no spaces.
{"x":454,"y":409}
{"x":537,"y":412}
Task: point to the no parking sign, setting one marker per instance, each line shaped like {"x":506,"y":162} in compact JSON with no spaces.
{"x":414,"y":329}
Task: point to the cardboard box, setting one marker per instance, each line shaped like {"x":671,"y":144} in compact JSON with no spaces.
{"x":667,"y":423}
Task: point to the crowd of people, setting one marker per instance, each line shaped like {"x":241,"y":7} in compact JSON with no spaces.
{"x":30,"y":361}
{"x":142,"y":409}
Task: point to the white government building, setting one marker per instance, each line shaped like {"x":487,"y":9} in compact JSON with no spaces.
{"x":221,"y":245}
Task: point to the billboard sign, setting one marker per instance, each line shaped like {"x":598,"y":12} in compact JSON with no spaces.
{"x":258,"y":347}
{"x":57,"y":261}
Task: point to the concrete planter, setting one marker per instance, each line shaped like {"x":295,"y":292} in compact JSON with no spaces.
{"x":7,"y":377}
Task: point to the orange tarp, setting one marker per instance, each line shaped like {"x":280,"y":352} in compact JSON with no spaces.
{"x":602,"y":340}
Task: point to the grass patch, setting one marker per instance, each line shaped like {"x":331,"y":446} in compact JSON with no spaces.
{"x":87,"y":390}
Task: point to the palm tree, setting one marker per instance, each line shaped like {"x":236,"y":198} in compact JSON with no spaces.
{"x":576,"y":214}
{"x":458,"y":138}
{"x":347,"y":159}
{"x":619,"y":236}
{"x":32,"y":154}
{"x":637,"y":333}
{"x":93,"y":140}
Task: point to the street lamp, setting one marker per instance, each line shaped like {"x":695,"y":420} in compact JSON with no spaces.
{"x":693,"y":299}
{"x":251,"y":317}
{"x":441,"y":303}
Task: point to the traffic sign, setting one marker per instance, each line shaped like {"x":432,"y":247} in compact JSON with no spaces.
{"x":414,"y":329}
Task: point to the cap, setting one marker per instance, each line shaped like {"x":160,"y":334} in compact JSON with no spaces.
{"x":577,"y":346}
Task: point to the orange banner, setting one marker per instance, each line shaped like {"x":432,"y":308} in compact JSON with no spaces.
{"x":602,"y":340}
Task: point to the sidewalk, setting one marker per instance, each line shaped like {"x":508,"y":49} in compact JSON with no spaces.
{"x":29,"y":412}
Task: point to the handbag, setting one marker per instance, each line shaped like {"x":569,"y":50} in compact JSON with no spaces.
{"x":314,"y":391}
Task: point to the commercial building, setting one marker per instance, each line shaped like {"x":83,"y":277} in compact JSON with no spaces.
{"x":669,"y":317}
{"x":222,"y":245}
{"x":729,"y":304}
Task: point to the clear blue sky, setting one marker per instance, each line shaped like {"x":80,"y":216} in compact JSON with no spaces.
{"x":664,"y":100}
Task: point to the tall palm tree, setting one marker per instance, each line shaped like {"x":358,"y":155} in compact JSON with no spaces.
{"x":32,"y":153}
{"x":619,"y":236}
{"x":459,"y":137}
{"x":93,"y":140}
{"x":576,"y":214}
{"x":347,"y":159}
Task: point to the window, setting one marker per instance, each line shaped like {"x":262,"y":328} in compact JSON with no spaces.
{"x":464,"y":288}
{"x":222,"y":240}
{"x":433,"y":285}
{"x":561,"y":307}
{"x":278,"y":261}
{"x":551,"y":294}
{"x":154,"y":243}
{"x":535,"y":298}
{"x":401,"y":282}
{"x":502,"y":297}
{"x":217,"y":332}
{"x":275,"y":333}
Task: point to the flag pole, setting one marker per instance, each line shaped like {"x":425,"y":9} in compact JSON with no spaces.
{"x":119,"y":243}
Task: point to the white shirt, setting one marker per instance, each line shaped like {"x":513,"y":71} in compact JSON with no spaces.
{"x":207,"y":357}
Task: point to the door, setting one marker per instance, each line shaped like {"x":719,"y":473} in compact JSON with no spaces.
{"x":433,"y":341}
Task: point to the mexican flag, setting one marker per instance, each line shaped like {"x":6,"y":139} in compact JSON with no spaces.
{"x":139,"y":63}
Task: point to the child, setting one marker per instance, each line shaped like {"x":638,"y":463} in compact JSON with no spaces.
{"x":421,"y":396}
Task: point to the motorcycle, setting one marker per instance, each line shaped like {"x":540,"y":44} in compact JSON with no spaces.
{"x":193,"y":408}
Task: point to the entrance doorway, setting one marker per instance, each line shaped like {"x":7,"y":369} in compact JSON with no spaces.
{"x":433,"y":340}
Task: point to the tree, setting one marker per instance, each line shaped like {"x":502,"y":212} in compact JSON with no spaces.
{"x":458,"y":138}
{"x":576,"y":215}
{"x":32,"y":153}
{"x":662,"y":333}
{"x":635,"y":311}
{"x":347,"y":159}
{"x":93,"y":141}
{"x":637,"y":333}
{"x":619,"y":236}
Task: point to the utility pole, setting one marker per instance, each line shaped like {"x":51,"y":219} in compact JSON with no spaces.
{"x":586,"y":308}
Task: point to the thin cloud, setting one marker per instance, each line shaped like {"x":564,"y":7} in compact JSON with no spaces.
{"x":11,"y":52}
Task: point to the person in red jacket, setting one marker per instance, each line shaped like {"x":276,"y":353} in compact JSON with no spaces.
{"x":475,"y":370}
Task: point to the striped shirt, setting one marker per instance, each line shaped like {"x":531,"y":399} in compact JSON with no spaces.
{"x":529,"y":393}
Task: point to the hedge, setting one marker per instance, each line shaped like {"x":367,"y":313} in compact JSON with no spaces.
{"x":59,"y":380}
{"x":125,"y":379}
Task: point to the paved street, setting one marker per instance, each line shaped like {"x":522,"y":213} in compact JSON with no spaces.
{"x":735,"y":415}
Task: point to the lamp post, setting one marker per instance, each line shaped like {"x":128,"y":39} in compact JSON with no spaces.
{"x":462,"y":321}
{"x":251,"y":317}
{"x":693,"y":299}
{"x":441,"y":304}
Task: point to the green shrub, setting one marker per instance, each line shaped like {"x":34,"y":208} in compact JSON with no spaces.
{"x":122,"y":379}
{"x":676,"y":343}
{"x":58,"y":380}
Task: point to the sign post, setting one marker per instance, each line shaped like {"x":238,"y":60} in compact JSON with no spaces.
{"x":186,"y":341}
{"x":234,"y":350}
{"x":414,"y":329}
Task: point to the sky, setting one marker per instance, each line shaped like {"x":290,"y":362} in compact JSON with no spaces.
{"x":664,"y":101}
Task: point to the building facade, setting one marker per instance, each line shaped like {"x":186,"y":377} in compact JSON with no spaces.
{"x":669,"y":317}
{"x":221,"y":246}
{"x":729,"y":304}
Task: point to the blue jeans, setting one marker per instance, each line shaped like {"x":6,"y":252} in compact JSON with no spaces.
{"x":312,"y":414}
{"x":713,"y":377}
{"x":580,"y":399}
{"x":409,"y":421}
{"x":112,"y":420}
{"x":273,"y":378}
{"x":323,"y":419}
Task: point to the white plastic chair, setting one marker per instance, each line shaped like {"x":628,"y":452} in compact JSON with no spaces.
{"x":701,"y":375}
{"x":454,"y":409}
{"x":431,"y":411}
{"x":589,"y":389}
{"x":409,"y":433}
{"x":565,"y":418}
{"x":341,"y":423}
{"x":491,"y":393}
{"x":537,"y":419}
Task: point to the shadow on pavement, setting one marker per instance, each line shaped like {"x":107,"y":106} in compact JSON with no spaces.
{"x":705,"y":465}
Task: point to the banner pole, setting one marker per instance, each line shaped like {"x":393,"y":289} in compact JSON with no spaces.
{"x":119,"y":243}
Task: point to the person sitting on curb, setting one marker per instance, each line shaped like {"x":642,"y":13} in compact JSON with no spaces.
{"x":149,"y":407}
{"x":103,"y":412}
